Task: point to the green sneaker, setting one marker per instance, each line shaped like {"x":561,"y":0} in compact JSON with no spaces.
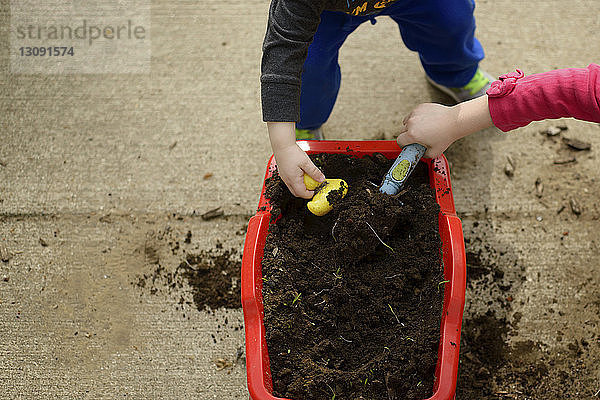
{"x":309,"y":134}
{"x":476,"y":87}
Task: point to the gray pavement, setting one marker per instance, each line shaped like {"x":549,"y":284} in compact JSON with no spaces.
{"x":94,"y":164}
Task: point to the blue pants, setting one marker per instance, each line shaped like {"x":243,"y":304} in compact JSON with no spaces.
{"x":441,"y":31}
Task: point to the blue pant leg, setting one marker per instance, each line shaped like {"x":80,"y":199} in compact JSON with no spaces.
{"x":443,"y":33}
{"x":321,"y":75}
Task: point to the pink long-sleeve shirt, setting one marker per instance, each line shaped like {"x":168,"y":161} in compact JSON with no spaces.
{"x":515,"y":100}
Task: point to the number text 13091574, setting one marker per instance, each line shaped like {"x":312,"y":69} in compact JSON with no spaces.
{"x":50,"y":51}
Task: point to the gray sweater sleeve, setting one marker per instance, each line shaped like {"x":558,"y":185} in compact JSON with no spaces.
{"x":291,"y":27}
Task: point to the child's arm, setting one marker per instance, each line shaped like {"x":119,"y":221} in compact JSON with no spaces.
{"x":290,"y":29}
{"x":511,"y":102}
{"x":516,"y":100}
{"x":292,"y":162}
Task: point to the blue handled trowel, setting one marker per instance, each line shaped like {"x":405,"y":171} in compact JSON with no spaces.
{"x":404,"y":165}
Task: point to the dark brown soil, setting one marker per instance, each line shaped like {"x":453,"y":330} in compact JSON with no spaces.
{"x":349,"y":315}
{"x":212,"y":278}
{"x":494,"y":367}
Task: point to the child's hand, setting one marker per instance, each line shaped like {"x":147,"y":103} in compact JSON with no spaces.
{"x":435,"y":126}
{"x":292,"y":163}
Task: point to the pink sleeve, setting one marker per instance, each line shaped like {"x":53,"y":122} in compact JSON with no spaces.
{"x":515,"y":100}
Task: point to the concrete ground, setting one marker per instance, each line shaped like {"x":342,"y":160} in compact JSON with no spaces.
{"x":95,"y":165}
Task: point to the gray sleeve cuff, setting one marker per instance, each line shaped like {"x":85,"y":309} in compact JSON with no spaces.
{"x":280,"y":102}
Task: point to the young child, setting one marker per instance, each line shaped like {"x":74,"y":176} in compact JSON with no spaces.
{"x":301,"y":76}
{"x":511,"y":102}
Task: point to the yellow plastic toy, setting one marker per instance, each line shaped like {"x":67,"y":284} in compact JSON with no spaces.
{"x":319,"y":205}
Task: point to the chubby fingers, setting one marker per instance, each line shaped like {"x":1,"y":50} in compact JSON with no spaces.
{"x":311,"y":170}
{"x":298,"y":188}
{"x":307,"y":167}
{"x":296,"y":184}
{"x":406,"y":136}
{"x":405,"y":139}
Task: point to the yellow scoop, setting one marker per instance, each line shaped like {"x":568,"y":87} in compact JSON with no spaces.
{"x":319,"y":205}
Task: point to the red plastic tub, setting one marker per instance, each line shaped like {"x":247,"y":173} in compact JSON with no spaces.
{"x":450,"y":228}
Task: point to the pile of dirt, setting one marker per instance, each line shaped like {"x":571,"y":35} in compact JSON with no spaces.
{"x":212,"y":277}
{"x":353,"y":300}
{"x":494,"y":362}
{"x":493,"y":369}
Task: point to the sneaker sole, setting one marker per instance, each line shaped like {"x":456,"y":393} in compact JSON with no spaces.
{"x":452,"y":94}
{"x":443,"y":89}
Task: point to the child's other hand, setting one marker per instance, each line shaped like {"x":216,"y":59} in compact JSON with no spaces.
{"x":292,"y":163}
{"x":435,"y":126}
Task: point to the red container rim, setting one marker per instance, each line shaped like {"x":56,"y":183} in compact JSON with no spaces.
{"x":453,"y":253}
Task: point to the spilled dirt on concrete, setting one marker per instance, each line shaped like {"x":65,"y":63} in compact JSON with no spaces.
{"x":206,"y":279}
{"x":531,"y":326}
{"x":497,"y":364}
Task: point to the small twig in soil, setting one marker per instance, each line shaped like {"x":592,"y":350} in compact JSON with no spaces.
{"x":400,"y":193}
{"x":441,"y":283}
{"x":317,"y":304}
{"x":345,"y":340}
{"x":320,"y":291}
{"x":507,"y":394}
{"x":382,"y":242}
{"x":316,"y":266}
{"x":392,"y":310}
{"x":332,"y":229}
{"x":392,"y":277}
{"x":597,"y":393}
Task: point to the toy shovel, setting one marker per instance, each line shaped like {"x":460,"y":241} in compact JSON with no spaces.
{"x":404,"y":165}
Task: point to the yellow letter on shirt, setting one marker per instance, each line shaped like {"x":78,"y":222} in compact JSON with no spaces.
{"x":360,"y":9}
